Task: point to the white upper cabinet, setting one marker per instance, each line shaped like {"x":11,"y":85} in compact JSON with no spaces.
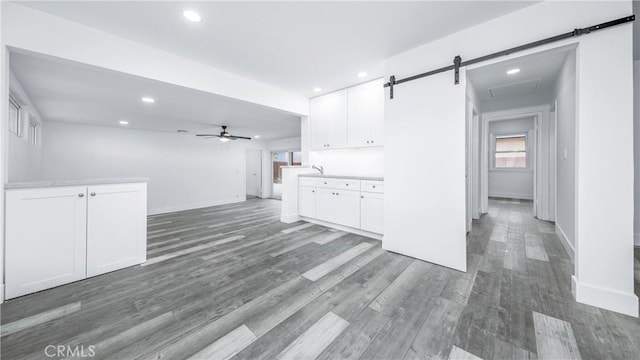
{"x":366,"y":115}
{"x":328,"y":115}
{"x":350,"y":118}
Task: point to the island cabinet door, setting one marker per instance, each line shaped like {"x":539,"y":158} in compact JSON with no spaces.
{"x":372,"y":212}
{"x":45,"y":238}
{"x":325,"y":204}
{"x":116,"y":227}
{"x":347,"y":208}
{"x":307,"y":201}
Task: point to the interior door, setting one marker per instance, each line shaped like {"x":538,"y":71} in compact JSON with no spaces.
{"x":424,"y":180}
{"x":46,"y":237}
{"x":116,"y":227}
{"x":254,"y":173}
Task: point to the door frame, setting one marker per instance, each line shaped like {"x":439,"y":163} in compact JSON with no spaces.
{"x":260,"y":154}
{"x":485,"y":147}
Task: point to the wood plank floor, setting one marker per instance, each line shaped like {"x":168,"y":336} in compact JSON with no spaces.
{"x":233,"y":282}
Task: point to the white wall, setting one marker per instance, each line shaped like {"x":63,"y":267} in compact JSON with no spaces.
{"x":184,"y":171}
{"x":25,"y":160}
{"x":636,"y":142}
{"x":289,"y":144}
{"x":604,"y":269}
{"x":361,"y":162}
{"x":565,"y":97}
{"x":513,"y":183}
{"x":4,"y":109}
{"x":510,"y":102}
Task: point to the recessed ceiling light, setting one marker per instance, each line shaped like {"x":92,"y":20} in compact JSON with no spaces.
{"x":148,"y":100}
{"x":513,"y":71}
{"x":256,"y":136}
{"x":192,"y":15}
{"x":122,"y":122}
{"x":362,"y":74}
{"x":317,"y":89}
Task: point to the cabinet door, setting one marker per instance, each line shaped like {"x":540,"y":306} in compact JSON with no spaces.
{"x":117,"y":227}
{"x":307,"y":201}
{"x":328,"y":116}
{"x":372,"y":212}
{"x":325,"y":204}
{"x":338,"y":113}
{"x":346,"y":208}
{"x":46,"y":232}
{"x":320,"y":123}
{"x":366,"y":115}
{"x":377,"y":113}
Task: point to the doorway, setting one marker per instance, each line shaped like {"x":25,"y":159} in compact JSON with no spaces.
{"x":254,"y":173}
{"x":280,"y":159}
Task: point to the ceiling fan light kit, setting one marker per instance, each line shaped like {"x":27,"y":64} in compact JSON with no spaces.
{"x":224,"y":136}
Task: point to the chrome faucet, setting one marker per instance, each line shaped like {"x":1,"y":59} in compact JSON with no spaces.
{"x":320,"y":169}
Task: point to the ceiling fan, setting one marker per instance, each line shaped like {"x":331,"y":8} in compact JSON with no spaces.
{"x":224,"y":135}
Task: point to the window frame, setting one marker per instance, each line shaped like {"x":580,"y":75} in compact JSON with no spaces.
{"x":13,"y":101}
{"x":494,"y":139}
{"x":34,"y":131}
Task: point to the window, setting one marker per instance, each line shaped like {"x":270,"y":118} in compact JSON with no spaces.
{"x":34,"y":128}
{"x":14,"y":116}
{"x":511,"y":152}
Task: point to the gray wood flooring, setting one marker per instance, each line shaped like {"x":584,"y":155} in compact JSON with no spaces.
{"x":233,"y":282}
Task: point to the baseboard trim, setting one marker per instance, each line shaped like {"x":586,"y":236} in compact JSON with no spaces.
{"x":343,"y":228}
{"x":623,"y":303}
{"x":507,"y":195}
{"x":176,"y":208}
{"x":565,"y":242}
{"x":1,"y":293}
{"x":289,"y":218}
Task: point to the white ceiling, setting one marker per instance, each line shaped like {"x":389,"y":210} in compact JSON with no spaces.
{"x":62,"y":90}
{"x":538,"y":73}
{"x":293,"y":45}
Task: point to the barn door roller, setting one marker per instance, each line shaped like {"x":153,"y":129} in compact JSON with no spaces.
{"x":457,"y":61}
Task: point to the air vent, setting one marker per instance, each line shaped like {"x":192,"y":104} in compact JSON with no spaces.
{"x":182,"y":131}
{"x":519,"y":88}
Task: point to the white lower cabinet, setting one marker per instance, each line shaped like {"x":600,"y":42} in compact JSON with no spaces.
{"x":117,"y":227}
{"x":57,"y":235}
{"x":46,"y":238}
{"x":372,"y":212}
{"x":341,"y":202}
{"x":307,"y":201}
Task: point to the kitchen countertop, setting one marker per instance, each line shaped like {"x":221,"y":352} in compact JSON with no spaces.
{"x":354,"y":177}
{"x":57,"y":183}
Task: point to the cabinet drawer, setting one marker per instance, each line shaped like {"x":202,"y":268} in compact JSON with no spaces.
{"x":373,"y":186}
{"x":305,"y":181}
{"x":342,"y":184}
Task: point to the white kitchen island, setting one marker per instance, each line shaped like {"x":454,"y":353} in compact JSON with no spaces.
{"x":58,"y":232}
{"x":350,"y":203}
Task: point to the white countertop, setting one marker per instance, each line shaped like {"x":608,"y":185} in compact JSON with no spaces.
{"x":56,"y":183}
{"x":354,"y":177}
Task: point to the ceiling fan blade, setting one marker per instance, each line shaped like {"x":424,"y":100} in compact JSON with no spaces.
{"x":239,"y":137}
{"x":208,"y":135}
